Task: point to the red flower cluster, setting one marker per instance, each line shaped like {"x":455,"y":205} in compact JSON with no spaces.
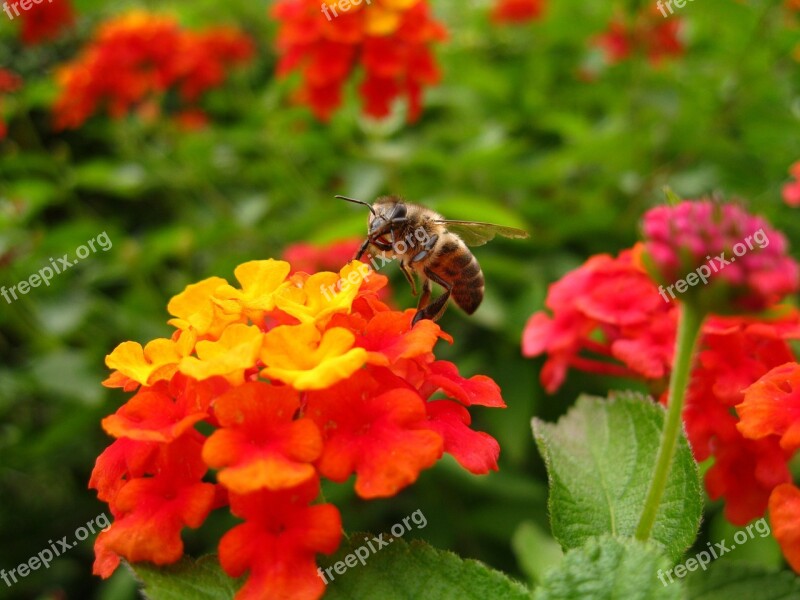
{"x":648,"y":33}
{"x":608,"y":317}
{"x":45,"y":21}
{"x":136,"y":59}
{"x":734,"y":353}
{"x":297,"y":384}
{"x":390,"y":39}
{"x":517,"y":11}
{"x":770,"y":414}
{"x":8,"y":83}
{"x":791,"y":190}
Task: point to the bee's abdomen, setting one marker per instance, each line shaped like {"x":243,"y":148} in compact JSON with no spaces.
{"x":460,"y":268}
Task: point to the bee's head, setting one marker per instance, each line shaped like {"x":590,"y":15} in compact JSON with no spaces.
{"x":387,"y":214}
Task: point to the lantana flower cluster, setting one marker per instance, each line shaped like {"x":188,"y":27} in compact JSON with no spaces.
{"x":391,"y":40}
{"x":608,"y":317}
{"x":295,"y":385}
{"x":747,"y":259}
{"x":138,"y":58}
{"x":770,"y":414}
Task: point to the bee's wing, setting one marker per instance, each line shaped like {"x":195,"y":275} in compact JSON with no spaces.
{"x":476,"y":234}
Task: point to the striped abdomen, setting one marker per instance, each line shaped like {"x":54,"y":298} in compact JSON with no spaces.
{"x":455,"y":264}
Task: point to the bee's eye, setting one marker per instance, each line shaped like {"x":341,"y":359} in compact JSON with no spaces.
{"x":399,"y":211}
{"x":376,"y":224}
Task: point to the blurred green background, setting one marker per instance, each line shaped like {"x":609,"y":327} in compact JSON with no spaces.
{"x":529,"y":128}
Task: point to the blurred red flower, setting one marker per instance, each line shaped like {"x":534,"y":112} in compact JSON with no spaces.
{"x":791,"y":190}
{"x":321,"y":257}
{"x":517,"y":11}
{"x":298,"y":376}
{"x":648,"y":33}
{"x":9,"y":82}
{"x":135,"y":59}
{"x":45,"y":21}
{"x":390,"y":39}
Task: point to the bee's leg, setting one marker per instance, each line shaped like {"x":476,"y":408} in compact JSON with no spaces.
{"x":409,"y":277}
{"x":434,"y":310}
{"x":425,"y":297}
{"x":361,"y":250}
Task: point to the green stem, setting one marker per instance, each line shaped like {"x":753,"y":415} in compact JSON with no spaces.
{"x":691,"y":320}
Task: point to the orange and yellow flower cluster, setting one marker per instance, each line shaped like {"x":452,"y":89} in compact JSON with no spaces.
{"x":390,"y":39}
{"x":296,"y":385}
{"x":136,"y":59}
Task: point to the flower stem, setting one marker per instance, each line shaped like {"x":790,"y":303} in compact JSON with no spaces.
{"x":691,"y":320}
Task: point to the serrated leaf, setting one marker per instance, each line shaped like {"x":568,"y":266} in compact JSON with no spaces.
{"x":600,"y":458}
{"x":414,"y":570}
{"x":734,"y":580}
{"x":610,"y":568}
{"x":201,"y":579}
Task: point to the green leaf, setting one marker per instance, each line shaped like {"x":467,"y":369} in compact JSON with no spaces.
{"x":413,"y":570}
{"x":725,"y":580}
{"x":399,"y":570}
{"x":536,"y":551}
{"x":201,"y":579}
{"x":608,"y":568}
{"x":600,"y":458}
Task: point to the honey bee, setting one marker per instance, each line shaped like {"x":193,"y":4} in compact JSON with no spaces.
{"x":436,"y":248}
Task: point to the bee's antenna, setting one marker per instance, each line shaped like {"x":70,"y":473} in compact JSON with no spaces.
{"x":353,"y":200}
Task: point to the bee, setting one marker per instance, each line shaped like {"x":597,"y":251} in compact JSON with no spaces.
{"x":434,"y":247}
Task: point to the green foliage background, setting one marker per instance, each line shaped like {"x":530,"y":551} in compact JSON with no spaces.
{"x":515,"y":134}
